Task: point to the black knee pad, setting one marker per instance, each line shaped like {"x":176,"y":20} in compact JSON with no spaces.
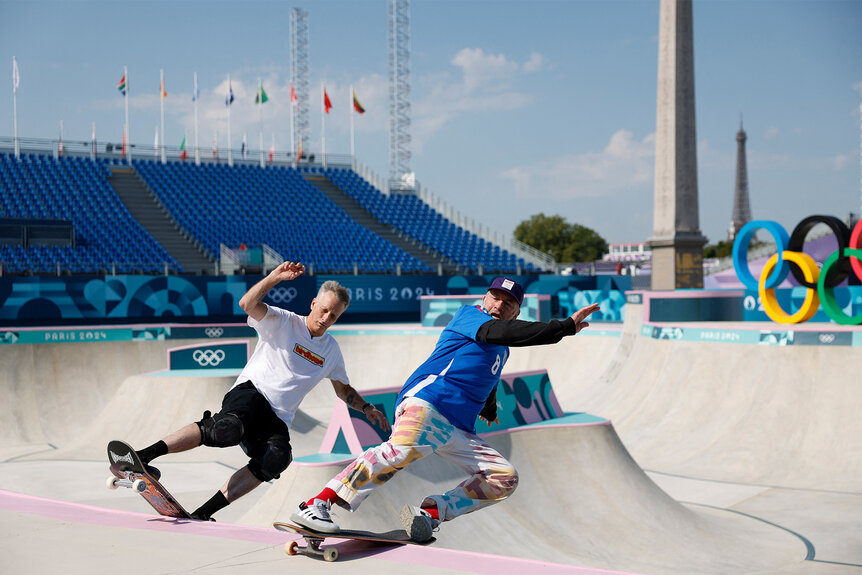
{"x":275,"y":459}
{"x":221,"y":430}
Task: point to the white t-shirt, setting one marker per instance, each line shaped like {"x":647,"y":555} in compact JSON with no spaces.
{"x":287,"y":362}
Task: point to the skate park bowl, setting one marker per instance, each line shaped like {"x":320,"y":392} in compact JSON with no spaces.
{"x":659,"y":448}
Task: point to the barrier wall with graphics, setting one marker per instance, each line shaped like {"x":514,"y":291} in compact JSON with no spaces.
{"x":523,"y":399}
{"x":83,"y":301}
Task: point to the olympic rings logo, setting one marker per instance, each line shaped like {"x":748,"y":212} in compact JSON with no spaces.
{"x":206,"y":357}
{"x":282,"y":294}
{"x":214,"y":331}
{"x":820,"y":282}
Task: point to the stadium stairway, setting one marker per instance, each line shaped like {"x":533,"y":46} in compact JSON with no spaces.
{"x":360,"y":215}
{"x":144,"y":207}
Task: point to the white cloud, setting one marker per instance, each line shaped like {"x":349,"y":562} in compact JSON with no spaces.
{"x":488,"y":84}
{"x":858,"y":87}
{"x":481,"y":70}
{"x":839,"y":161}
{"x":623,"y":164}
{"x":771,"y":133}
{"x":534,"y":64}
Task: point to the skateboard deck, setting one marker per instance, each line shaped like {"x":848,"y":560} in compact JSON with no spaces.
{"x":314,"y":539}
{"x":128,"y":471}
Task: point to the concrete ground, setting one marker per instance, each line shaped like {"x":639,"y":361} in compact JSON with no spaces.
{"x":718,"y":458}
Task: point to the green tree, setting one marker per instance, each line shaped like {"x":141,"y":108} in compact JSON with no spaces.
{"x":564,"y":241}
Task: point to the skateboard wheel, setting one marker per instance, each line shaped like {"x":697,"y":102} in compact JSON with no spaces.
{"x":111,"y":483}
{"x":139,"y":485}
{"x":290,"y":548}
{"x":330,"y":554}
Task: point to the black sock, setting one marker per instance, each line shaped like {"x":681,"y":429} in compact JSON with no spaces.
{"x":216,"y":502}
{"x":157,"y":449}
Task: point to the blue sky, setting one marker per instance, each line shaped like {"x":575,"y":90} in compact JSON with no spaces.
{"x":518,"y":107}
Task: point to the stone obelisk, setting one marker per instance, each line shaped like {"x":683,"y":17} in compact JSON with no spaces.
{"x":677,"y":244}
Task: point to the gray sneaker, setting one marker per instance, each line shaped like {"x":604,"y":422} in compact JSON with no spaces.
{"x":315,"y":517}
{"x":418,"y":523}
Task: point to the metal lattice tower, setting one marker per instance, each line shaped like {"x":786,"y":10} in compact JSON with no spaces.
{"x":400,"y":176}
{"x":741,"y":204}
{"x":299,"y":76}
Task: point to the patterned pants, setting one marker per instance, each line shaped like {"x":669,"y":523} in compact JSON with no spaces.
{"x":420,"y":430}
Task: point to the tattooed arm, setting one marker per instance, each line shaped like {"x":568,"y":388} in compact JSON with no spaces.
{"x":352,"y":398}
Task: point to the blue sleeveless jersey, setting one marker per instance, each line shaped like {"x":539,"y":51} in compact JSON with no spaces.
{"x":461,"y":372}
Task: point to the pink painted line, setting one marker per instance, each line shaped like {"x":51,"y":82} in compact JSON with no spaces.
{"x":463,"y":561}
{"x":89,"y":515}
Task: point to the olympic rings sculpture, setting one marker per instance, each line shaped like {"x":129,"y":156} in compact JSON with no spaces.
{"x":820,"y":282}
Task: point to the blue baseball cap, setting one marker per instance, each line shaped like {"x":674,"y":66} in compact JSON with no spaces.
{"x":511,"y":287}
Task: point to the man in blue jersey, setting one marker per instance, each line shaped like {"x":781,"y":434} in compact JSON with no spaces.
{"x":436,"y":413}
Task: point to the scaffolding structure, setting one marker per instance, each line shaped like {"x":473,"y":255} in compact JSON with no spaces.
{"x":401,"y":177}
{"x":299,"y":78}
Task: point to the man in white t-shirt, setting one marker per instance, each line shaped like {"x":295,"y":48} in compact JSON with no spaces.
{"x":293,"y":354}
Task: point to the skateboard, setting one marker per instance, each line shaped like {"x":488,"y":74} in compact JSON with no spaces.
{"x":128,"y":471}
{"x":314,"y":539}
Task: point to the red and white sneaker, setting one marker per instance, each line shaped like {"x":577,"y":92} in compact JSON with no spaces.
{"x":418,"y":523}
{"x":315,"y":516}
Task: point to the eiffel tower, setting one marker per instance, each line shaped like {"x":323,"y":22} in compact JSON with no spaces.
{"x":741,"y":204}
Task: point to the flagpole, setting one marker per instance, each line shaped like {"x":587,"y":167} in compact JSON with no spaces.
{"x":93,"y":143}
{"x":229,"y":155}
{"x":352,"y":141}
{"x":126,"y":101}
{"x":292,"y":133}
{"x":260,"y":118}
{"x":323,"y":123}
{"x":60,"y":145}
{"x":162,"y":100}
{"x":15,"y":80}
{"x":156,"y":144}
{"x":197,"y":97}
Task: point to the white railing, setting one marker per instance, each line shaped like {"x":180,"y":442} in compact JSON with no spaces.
{"x":527,"y":253}
{"x":271,"y":259}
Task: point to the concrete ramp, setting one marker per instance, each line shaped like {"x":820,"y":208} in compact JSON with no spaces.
{"x":50,"y":392}
{"x":581,"y":500}
{"x":763,"y":414}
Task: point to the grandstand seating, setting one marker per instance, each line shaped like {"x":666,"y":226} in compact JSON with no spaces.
{"x":218,"y":204}
{"x":409,"y":214}
{"x":274,"y":206}
{"x":107,"y":236}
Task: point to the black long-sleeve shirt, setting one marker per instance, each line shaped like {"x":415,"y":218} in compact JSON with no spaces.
{"x":519,"y":333}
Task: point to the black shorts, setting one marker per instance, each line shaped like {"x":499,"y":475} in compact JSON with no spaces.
{"x":260,"y":423}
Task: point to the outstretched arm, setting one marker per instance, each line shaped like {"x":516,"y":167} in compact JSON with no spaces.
{"x":518,"y":333}
{"x":252,"y":302}
{"x":351,"y":397}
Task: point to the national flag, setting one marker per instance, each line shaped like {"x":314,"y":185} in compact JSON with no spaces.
{"x":228,"y":100}
{"x":293,"y":99}
{"x":16,"y":77}
{"x":121,"y":85}
{"x":183,"y":152}
{"x":271,"y":153}
{"x":162,"y":91}
{"x":299,"y":151}
{"x":261,"y":97}
{"x":357,"y":106}
{"x":124,"y":142}
{"x":327,"y":105}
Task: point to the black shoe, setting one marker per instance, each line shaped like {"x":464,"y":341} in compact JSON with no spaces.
{"x":200,"y":516}
{"x":154,"y":471}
